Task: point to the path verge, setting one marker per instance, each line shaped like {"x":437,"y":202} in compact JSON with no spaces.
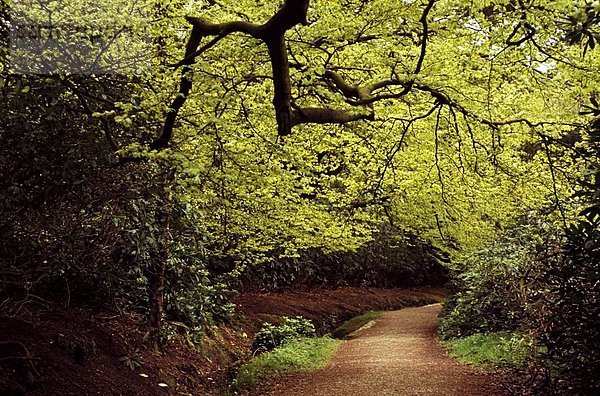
{"x":397,"y":356}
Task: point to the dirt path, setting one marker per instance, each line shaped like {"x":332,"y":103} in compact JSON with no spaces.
{"x":399,"y":355}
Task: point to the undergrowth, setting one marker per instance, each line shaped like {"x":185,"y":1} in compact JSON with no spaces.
{"x":492,"y":350}
{"x":296,"y":356}
{"x":271,"y":336}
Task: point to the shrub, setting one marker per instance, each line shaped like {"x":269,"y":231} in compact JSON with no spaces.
{"x":489,"y":296}
{"x":571,"y":324}
{"x":391,"y":259}
{"x":271,"y":336}
{"x":78,"y":229}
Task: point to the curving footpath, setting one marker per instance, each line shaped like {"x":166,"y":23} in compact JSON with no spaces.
{"x":398,"y":355}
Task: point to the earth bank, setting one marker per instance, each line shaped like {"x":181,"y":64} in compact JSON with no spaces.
{"x":55,"y":351}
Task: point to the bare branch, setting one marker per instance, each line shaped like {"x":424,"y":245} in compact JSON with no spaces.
{"x":272,"y":33}
{"x":554,"y":183}
{"x":292,"y":13}
{"x":189,"y":59}
{"x":312,"y":115}
{"x":425,"y":24}
{"x":185,"y":85}
{"x":349,"y":91}
{"x":437,"y":157}
{"x":366,"y":97}
{"x":529,"y":35}
{"x":223,"y":29}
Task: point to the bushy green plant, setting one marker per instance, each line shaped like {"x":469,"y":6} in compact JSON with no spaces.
{"x":551,"y":290}
{"x":391,"y":259}
{"x":193,"y":295}
{"x":489,"y":296}
{"x":570,"y":326}
{"x":571,"y":323}
{"x":271,"y":336}
{"x":77,"y":228}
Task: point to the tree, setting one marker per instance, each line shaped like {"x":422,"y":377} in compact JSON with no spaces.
{"x":312,"y":123}
{"x":408,"y":68}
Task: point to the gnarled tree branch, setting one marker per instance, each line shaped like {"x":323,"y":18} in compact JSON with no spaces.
{"x":313,"y":115}
{"x":185,"y":85}
{"x":272,"y":33}
{"x":359,"y":96}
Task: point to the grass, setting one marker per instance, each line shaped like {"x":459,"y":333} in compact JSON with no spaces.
{"x":302,"y":355}
{"x":492,"y":350}
{"x":309,"y":354}
{"x":355,"y":323}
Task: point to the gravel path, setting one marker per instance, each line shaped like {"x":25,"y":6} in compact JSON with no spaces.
{"x":399,"y":355}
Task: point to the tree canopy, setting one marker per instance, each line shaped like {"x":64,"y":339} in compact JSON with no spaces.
{"x":442,"y":117}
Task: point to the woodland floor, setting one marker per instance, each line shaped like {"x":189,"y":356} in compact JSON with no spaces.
{"x":48,"y":350}
{"x":398,"y":355}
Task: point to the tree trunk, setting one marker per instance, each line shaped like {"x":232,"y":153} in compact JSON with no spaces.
{"x":158,"y":265}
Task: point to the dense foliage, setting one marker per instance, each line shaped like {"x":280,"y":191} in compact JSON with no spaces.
{"x":490,"y":294}
{"x":541,"y":281}
{"x":389,"y":260}
{"x":572,"y":321}
{"x":156,"y":154}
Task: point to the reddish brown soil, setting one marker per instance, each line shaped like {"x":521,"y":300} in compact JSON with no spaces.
{"x":84,"y":352}
{"x":79,"y":352}
{"x":328,"y":308}
{"x":398,"y":356}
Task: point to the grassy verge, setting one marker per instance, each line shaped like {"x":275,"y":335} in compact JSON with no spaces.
{"x":492,"y":350}
{"x":355,"y":323}
{"x":297,"y":356}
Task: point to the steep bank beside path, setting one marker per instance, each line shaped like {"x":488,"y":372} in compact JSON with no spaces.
{"x":51,"y":350}
{"x":328,"y":308}
{"x":398,"y":355}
